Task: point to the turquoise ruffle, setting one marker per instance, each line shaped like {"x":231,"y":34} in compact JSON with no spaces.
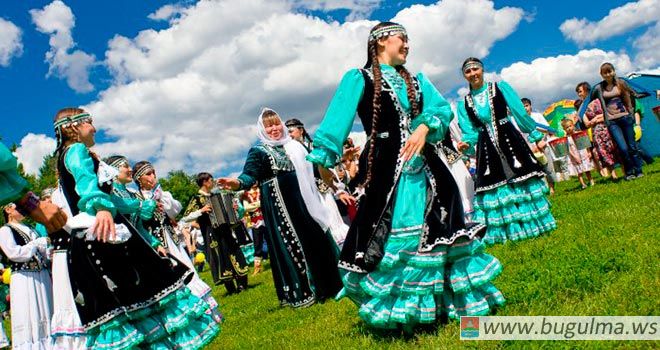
{"x":409,"y":287}
{"x":514,"y":211}
{"x":176,"y":321}
{"x":248,"y":252}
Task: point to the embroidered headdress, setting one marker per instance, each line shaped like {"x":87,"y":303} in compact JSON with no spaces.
{"x":388,"y":30}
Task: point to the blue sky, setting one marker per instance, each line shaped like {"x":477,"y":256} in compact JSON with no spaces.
{"x":30,"y":97}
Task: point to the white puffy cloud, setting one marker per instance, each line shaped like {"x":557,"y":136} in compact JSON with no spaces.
{"x":547,"y":79}
{"x":32,"y":150}
{"x":10,"y":42}
{"x":359,"y":9}
{"x":188,"y":96}
{"x":57,"y":21}
{"x":166,"y":13}
{"x":648,"y":48}
{"x":619,"y":20}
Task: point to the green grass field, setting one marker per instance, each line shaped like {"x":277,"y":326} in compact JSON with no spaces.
{"x":602,"y":260}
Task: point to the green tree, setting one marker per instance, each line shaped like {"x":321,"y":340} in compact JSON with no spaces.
{"x":181,"y":185}
{"x":47,"y":173}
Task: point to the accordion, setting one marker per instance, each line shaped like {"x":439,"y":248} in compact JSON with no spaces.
{"x":222,"y":210}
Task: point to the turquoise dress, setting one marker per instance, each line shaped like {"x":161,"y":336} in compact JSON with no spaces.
{"x":511,"y":210}
{"x":409,"y":286}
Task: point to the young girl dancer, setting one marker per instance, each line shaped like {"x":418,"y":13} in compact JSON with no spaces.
{"x":409,"y":256}
{"x":510,"y":192}
{"x":126,"y":295}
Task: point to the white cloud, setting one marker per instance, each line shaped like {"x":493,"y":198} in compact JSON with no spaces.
{"x":188,"y":96}
{"x":648,"y":48}
{"x":57,"y":20}
{"x":32,"y":150}
{"x":166,"y":13}
{"x":359,"y":9}
{"x":10,"y":42}
{"x":545,"y":80}
{"x":618,"y":21}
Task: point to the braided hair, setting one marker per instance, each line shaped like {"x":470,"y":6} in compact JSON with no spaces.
{"x":372,"y":62}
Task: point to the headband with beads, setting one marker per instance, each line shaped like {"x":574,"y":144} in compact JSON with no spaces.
{"x":386,"y":31}
{"x":118,"y":162}
{"x":142,"y":170}
{"x":472,"y":64}
{"x":72,"y":120}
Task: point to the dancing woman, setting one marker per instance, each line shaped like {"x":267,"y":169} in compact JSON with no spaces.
{"x":126,"y":295}
{"x":510,"y":192}
{"x":409,"y":256}
{"x":303,"y":255}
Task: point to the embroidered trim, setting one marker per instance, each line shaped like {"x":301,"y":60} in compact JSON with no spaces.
{"x":474,"y":230}
{"x":141,"y":305}
{"x":514,"y":180}
{"x":284,"y":213}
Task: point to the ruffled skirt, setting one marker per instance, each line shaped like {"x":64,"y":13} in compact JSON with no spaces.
{"x":514,"y":211}
{"x":178,"y":321}
{"x":409,"y":287}
{"x":196,"y":285}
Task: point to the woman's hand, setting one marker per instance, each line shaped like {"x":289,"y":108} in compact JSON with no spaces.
{"x":328,"y":177}
{"x":346,"y":198}
{"x":207,"y":208}
{"x":415,"y":142}
{"x":161,"y":251}
{"x":228,"y":183}
{"x":104,"y":226}
{"x":462,"y":146}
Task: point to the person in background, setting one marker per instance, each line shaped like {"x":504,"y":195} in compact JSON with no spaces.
{"x":297,"y":132}
{"x":580,"y":158}
{"x":540,"y":149}
{"x":31,"y":294}
{"x":616,"y":98}
{"x":603,"y":145}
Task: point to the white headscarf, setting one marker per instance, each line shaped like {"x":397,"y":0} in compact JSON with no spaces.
{"x":304,"y":170}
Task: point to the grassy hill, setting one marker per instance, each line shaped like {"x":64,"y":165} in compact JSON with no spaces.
{"x":602,"y":260}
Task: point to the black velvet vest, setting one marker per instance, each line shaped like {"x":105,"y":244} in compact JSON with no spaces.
{"x":35,"y":263}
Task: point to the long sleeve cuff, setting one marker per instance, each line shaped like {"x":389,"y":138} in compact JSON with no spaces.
{"x":436,"y":128}
{"x":323,"y":157}
{"x":245,"y":181}
{"x":96,"y":204}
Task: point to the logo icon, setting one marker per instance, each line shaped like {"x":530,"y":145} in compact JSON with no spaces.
{"x":469,"y":327}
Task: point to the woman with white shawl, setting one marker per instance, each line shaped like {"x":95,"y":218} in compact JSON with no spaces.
{"x":302,"y":250}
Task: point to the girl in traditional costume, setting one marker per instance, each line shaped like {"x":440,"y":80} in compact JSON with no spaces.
{"x":510,"y":192}
{"x":136,"y":210}
{"x":409,"y":256}
{"x":303,"y":255}
{"x":31,"y":294}
{"x":126,"y":295}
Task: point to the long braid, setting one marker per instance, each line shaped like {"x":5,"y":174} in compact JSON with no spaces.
{"x":375,"y":68}
{"x":410,"y":90}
